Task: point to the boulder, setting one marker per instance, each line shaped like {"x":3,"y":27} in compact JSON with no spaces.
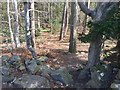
{"x":32,"y":81}
{"x":115,"y":85}
{"x":5,"y":74}
{"x":31,"y":66}
{"x":4,"y":57}
{"x":62,"y":75}
{"x":15,"y":61}
{"x":102,"y":76}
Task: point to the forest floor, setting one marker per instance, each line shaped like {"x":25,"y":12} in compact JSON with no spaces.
{"x":48,"y":44}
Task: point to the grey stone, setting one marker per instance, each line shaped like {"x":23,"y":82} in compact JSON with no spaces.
{"x":15,"y":61}
{"x":43,"y":59}
{"x":32,"y":81}
{"x":4,"y":70}
{"x":44,"y":69}
{"x":22,"y":67}
{"x":4,"y":57}
{"x":62,"y":75}
{"x":7,"y":78}
{"x":31,"y":66}
{"x":101,"y":76}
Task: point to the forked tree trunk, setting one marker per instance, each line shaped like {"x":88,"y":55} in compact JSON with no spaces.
{"x":16,"y":25}
{"x":98,"y":15}
{"x":9,"y":23}
{"x":29,"y":39}
{"x":72,"y":45}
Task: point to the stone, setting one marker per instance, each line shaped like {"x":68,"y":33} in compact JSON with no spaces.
{"x":31,"y":66}
{"x":101,"y":76}
{"x":5,"y":74}
{"x":62,"y":75}
{"x":32,"y":81}
{"x":4,"y":70}
{"x":115,"y":86}
{"x":44,"y":69}
{"x":22,"y":67}
{"x":43,"y":59}
{"x":4,"y":57}
{"x":15,"y":61}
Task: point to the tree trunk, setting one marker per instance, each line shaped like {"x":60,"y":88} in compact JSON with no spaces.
{"x":29,"y":39}
{"x":94,"y":52}
{"x":33,"y":24}
{"x":16,"y":25}
{"x":64,"y":24}
{"x":9,"y":23}
{"x":66,"y":19}
{"x":72,"y":45}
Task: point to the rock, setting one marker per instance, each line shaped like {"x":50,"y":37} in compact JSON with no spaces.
{"x":101,"y":76}
{"x":32,"y":81}
{"x":115,"y":86}
{"x":31,"y":66}
{"x":15,"y":58}
{"x":4,"y":58}
{"x":43,"y":59}
{"x":15,"y":61}
{"x":22,"y":67}
{"x":7,"y":78}
{"x":5,"y":74}
{"x":4,"y":70}
{"x":44,"y":69}
{"x":62,"y":75}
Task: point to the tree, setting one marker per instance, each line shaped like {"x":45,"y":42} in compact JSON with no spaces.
{"x":98,"y":15}
{"x":29,"y":38}
{"x":16,"y":25}
{"x":72,"y":45}
{"x":9,"y":23}
{"x":64,"y":25}
{"x":32,"y":23}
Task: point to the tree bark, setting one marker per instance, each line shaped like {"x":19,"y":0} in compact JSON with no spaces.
{"x":33,"y":24}
{"x":29,"y":39}
{"x":9,"y":23}
{"x":64,"y":25}
{"x":97,"y":15}
{"x":72,"y":45}
{"x":16,"y":25}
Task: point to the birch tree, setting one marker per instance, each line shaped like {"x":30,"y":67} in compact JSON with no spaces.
{"x":64,"y":25}
{"x":33,"y":23}
{"x":16,"y":25}
{"x":29,"y":38}
{"x":9,"y":23}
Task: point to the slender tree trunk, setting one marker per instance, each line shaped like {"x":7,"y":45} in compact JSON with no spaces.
{"x":29,"y":39}
{"x":10,"y":29}
{"x":38,"y":21}
{"x":64,"y":25}
{"x":33,"y":24}
{"x":66,"y":18}
{"x":16,"y":25}
{"x":72,"y":45}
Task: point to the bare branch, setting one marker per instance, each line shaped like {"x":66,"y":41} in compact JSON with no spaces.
{"x":85,"y":9}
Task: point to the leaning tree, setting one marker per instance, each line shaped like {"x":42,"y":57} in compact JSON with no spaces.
{"x":98,"y":15}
